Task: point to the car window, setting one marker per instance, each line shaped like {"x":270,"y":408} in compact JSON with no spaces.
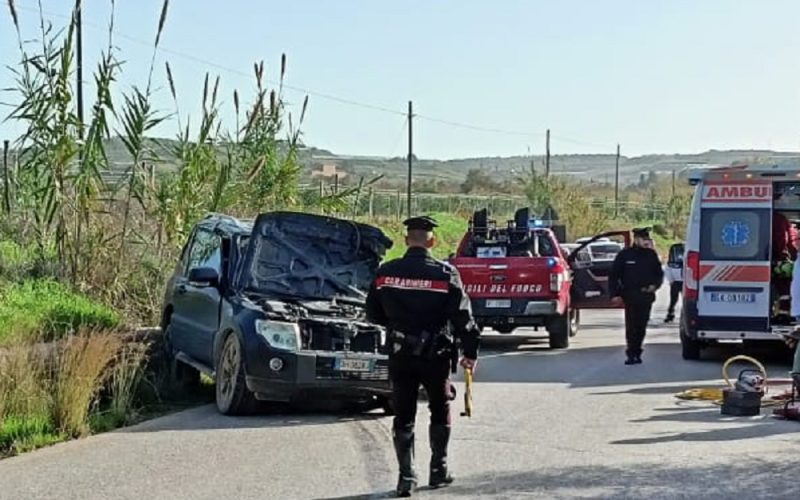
{"x":206,"y":251}
{"x":605,"y":251}
{"x":676,"y":254}
{"x":735,"y":234}
{"x":528,"y":249}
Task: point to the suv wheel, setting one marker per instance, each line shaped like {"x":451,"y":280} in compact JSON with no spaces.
{"x":558,"y":327}
{"x":232,"y":395}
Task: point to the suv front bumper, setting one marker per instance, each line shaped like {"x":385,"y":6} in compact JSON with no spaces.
{"x":314,"y":374}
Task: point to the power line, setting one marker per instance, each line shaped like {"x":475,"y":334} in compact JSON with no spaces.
{"x":399,"y":137}
{"x":479,"y":128}
{"x":582,"y":143}
{"x":323,"y":95}
{"x":212,"y":64}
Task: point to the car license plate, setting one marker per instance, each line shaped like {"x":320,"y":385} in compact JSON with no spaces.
{"x":498,"y":304}
{"x":353,"y":365}
{"x":733,"y":298}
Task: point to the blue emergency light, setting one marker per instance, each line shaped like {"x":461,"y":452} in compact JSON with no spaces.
{"x":551,"y":262}
{"x":535,"y":223}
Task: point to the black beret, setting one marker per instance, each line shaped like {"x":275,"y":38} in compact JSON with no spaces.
{"x":642,"y":232}
{"x":421,"y":223}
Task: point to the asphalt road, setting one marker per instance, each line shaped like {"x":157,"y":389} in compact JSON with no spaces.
{"x":547,"y":424}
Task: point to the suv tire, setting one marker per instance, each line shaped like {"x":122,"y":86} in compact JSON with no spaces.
{"x":232,"y":395}
{"x":558,"y":327}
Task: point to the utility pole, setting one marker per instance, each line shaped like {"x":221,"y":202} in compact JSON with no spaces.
{"x":547,"y":156}
{"x":616,"y":186}
{"x":79,"y":58}
{"x":6,"y":184}
{"x":410,"y":156}
{"x":673,"y":183}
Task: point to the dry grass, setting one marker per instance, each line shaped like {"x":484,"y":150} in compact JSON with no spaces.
{"x":82,"y":365}
{"x":52,"y":392}
{"x":126,"y":375}
{"x":22,"y":373}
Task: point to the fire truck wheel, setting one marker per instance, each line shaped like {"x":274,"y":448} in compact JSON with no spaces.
{"x":558,"y":327}
{"x":574,"y":322}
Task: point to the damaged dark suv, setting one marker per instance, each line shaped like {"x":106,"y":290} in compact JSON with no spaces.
{"x":272,"y":309}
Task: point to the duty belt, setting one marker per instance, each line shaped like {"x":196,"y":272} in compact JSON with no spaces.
{"x":423,"y":344}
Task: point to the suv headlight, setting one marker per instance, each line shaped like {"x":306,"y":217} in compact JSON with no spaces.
{"x":279,"y":334}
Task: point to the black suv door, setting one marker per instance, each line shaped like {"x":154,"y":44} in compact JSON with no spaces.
{"x":195,"y":316}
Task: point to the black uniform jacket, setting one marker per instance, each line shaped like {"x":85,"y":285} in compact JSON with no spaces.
{"x":635,"y":269}
{"x":418,"y":293}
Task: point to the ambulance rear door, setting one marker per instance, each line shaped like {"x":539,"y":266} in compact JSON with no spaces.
{"x":735,"y":253}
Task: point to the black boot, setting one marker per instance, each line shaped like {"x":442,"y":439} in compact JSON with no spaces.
{"x":404,"y":447}
{"x":630,"y":358}
{"x":439,"y":437}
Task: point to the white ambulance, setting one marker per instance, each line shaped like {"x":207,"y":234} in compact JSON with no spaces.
{"x":728,"y":292}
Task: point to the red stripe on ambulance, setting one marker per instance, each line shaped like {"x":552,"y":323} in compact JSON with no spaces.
{"x":747,"y":274}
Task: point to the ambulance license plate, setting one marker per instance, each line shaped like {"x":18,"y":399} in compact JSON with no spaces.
{"x":732,"y":298}
{"x":353,"y":365}
{"x":498,"y":304}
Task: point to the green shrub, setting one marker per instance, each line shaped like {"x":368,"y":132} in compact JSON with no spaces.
{"x":448,"y":235}
{"x":21,"y":434}
{"x":24,"y":261}
{"x":48,"y":310}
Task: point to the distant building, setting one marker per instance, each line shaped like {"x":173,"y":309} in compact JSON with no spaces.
{"x":328,"y":170}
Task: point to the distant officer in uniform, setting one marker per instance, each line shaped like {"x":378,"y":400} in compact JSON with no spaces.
{"x":422,"y":303}
{"x":634,"y":279}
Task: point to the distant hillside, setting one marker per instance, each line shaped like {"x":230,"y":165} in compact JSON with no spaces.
{"x":597,"y":168}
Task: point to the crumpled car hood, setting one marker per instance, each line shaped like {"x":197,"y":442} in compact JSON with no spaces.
{"x":311,"y":256}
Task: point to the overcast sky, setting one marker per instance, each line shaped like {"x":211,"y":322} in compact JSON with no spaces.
{"x":656,"y":76}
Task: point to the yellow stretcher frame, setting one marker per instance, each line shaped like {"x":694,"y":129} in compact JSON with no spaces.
{"x":467,"y":393}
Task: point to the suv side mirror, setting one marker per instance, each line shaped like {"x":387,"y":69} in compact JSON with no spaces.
{"x":203,"y":277}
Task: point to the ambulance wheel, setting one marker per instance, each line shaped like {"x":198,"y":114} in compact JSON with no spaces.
{"x":505,"y":329}
{"x":574,"y":322}
{"x":690,"y":348}
{"x":558,"y":328}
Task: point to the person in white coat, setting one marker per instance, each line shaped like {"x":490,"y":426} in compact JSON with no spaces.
{"x":673,"y":271}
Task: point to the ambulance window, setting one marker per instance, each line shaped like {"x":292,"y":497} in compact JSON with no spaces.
{"x":735,"y":234}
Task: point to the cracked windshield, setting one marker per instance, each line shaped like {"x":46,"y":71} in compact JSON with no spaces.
{"x":436,"y":249}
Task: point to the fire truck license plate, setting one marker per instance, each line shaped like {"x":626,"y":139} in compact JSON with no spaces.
{"x":733,"y":298}
{"x":353,"y":365}
{"x":498,"y":304}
